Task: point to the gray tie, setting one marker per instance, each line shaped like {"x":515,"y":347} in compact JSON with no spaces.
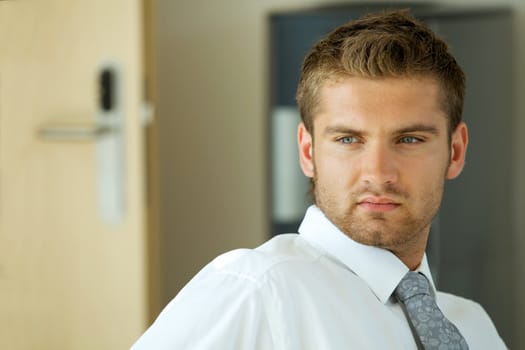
{"x":427,"y":320}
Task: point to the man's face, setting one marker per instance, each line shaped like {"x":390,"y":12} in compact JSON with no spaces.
{"x":379,"y":157}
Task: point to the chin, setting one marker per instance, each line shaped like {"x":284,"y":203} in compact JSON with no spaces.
{"x":381,"y":239}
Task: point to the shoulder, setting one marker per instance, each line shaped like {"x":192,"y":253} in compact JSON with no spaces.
{"x":471,"y":318}
{"x":279,"y":253}
{"x":457,"y":306}
{"x":230,"y":302}
{"x":232,"y":299}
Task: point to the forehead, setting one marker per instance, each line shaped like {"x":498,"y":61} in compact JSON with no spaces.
{"x":380,"y":101}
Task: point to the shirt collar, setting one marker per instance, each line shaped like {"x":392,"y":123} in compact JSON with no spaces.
{"x":378,"y":267}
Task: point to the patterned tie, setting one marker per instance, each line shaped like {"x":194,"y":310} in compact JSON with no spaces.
{"x":432,"y":327}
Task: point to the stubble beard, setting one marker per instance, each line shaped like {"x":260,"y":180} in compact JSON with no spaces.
{"x":397,"y":231}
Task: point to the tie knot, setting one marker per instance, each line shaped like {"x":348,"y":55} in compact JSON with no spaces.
{"x":412,"y":284}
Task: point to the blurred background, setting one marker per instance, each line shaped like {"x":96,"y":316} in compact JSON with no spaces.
{"x":138,"y":141}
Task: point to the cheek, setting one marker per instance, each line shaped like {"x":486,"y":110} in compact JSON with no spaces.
{"x":336,"y":169}
{"x":432,"y":164}
{"x":425,"y":179}
{"x":334,"y":181}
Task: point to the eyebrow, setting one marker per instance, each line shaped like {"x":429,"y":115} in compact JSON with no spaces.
{"x":340,"y":129}
{"x":419,"y":128}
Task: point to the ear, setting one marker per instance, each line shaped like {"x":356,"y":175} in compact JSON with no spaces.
{"x":458,"y":151}
{"x":304,"y":140}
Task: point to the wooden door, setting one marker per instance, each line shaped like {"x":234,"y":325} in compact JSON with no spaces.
{"x":68,"y":278}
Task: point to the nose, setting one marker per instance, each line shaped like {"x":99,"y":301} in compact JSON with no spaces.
{"x":379,"y":165}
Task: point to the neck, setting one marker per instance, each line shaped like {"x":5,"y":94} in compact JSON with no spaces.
{"x":412,"y":261}
{"x":411,"y":253}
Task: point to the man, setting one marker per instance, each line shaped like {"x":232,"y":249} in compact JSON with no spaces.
{"x":381,"y":103}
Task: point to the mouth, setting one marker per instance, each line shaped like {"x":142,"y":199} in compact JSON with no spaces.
{"x":378,"y":204}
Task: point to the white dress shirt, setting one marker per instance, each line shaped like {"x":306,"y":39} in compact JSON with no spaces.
{"x":316,"y":290}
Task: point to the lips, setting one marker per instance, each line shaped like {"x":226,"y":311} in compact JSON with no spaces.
{"x":378,"y":204}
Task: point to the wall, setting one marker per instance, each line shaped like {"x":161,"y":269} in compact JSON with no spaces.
{"x":212,"y":68}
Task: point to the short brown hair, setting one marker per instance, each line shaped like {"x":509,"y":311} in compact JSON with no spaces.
{"x":388,"y":44}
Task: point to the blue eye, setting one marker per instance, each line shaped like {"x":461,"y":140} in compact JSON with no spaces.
{"x":347,"y":140}
{"x":409,"y":139}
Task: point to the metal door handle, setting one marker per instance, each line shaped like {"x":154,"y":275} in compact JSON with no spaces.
{"x":76,"y":132}
{"x":106,"y":131}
